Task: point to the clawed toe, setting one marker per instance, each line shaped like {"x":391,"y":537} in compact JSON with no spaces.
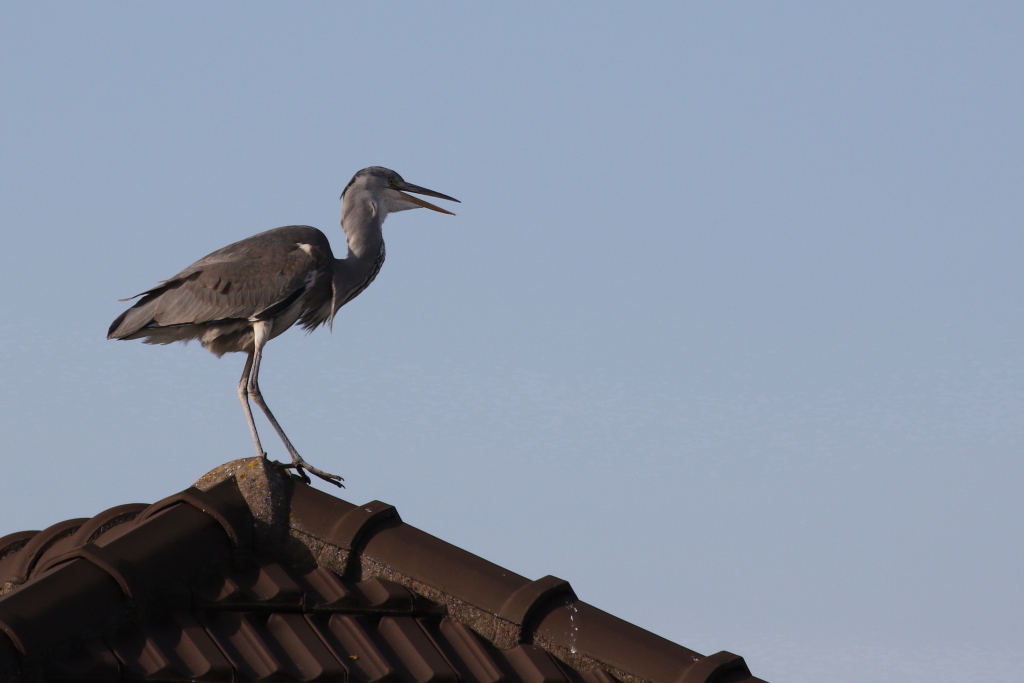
{"x":301,"y":473}
{"x":301,"y":466}
{"x":326,"y":476}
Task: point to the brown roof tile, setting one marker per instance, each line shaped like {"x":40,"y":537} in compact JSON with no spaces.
{"x":254,"y":577}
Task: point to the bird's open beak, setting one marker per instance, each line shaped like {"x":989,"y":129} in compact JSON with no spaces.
{"x":409,"y":187}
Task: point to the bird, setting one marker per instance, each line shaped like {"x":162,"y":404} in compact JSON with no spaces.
{"x":240,"y":297}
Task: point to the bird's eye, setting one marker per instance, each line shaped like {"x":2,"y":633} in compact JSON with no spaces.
{"x":391,"y":181}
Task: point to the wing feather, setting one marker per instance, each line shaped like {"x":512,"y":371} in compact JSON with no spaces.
{"x":239,"y":282}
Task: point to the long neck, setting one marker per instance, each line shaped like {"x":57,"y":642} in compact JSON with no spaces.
{"x":361,"y":219}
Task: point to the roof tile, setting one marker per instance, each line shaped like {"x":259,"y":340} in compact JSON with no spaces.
{"x":17,"y":567}
{"x":466,"y":651}
{"x":351,"y":639}
{"x":324,"y":590}
{"x":415,"y":649}
{"x":57,"y":605}
{"x":386,"y":595}
{"x":304,"y":648}
{"x":103,"y":523}
{"x":248,"y":645}
{"x":12,"y":543}
{"x":534,"y":665}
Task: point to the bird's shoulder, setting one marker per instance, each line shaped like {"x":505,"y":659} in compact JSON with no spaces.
{"x":281,"y":252}
{"x":277,"y":243}
{"x":256,"y":270}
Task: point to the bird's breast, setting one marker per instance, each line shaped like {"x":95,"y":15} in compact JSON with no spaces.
{"x":359,"y":278}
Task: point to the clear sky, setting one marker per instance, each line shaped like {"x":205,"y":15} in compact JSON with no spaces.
{"x":727,"y":332}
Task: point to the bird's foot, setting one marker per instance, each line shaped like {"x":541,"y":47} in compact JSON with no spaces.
{"x":299,"y":474}
{"x":300,"y":466}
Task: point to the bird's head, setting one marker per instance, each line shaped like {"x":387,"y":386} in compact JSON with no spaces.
{"x":385,"y":187}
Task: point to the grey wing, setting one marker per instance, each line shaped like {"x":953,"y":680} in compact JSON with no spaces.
{"x":249,"y":280}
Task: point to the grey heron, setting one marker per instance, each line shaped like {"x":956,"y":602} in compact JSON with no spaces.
{"x":240,"y":297}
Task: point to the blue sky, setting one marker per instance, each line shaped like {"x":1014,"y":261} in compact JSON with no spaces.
{"x":727,"y":331}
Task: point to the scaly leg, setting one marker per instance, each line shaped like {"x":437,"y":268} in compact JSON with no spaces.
{"x":261,"y":332}
{"x":243,"y":396}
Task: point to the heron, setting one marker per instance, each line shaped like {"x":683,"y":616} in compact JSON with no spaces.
{"x":240,"y":297}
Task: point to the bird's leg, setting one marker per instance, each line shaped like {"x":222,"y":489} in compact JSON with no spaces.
{"x":252,"y":389}
{"x":243,"y":396}
{"x":262,"y":331}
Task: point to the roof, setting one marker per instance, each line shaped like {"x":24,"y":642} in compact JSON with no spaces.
{"x":251,"y":575}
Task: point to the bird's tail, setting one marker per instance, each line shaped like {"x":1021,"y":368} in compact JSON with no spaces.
{"x":138,"y":316}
